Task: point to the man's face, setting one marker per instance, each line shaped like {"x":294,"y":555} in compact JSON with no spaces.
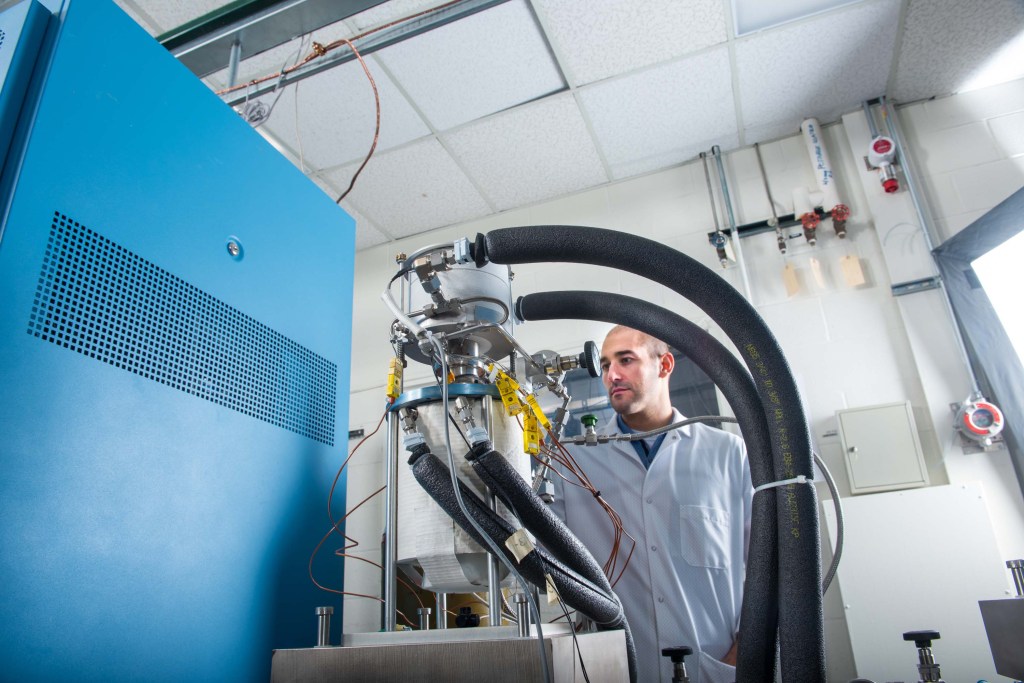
{"x":631,"y":373}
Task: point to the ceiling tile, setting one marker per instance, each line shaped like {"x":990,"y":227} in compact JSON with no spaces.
{"x":333,"y":123}
{"x":770,"y":131}
{"x":170,"y":14}
{"x":797,"y":71}
{"x":949,"y":43}
{"x":479,"y":65}
{"x":389,"y":11}
{"x":601,"y":38}
{"x":533,"y":152}
{"x":412,"y":189}
{"x":367,"y":234}
{"x":132,"y":9}
{"x":664,"y":115}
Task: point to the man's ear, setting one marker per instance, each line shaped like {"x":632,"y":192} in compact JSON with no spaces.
{"x":666,"y":364}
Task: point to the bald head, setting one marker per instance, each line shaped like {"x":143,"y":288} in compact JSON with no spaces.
{"x":654,"y":346}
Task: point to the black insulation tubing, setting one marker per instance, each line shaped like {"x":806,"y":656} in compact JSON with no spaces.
{"x":506,"y":483}
{"x":575,"y":590}
{"x":759,"y":615}
{"x":801,"y":626}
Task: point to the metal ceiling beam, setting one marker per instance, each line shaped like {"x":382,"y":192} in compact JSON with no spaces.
{"x":204,"y":44}
{"x":368,"y":45}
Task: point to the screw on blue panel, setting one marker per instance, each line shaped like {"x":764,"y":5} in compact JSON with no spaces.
{"x":235,"y":249}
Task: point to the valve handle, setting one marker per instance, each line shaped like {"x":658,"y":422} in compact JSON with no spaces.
{"x":677,"y":654}
{"x":589,"y":420}
{"x":591,"y":359}
{"x":921,"y":638}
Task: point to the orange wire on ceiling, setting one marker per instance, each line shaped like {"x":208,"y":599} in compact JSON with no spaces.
{"x":318,"y":50}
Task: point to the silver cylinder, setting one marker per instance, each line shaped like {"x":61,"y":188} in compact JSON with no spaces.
{"x":522,"y":614}
{"x":424,"y":614}
{"x":486,"y":294}
{"x":433,"y":551}
{"x":442,"y":610}
{"x":323,"y":626}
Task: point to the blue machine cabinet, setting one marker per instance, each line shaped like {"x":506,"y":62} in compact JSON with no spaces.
{"x":175,"y":323}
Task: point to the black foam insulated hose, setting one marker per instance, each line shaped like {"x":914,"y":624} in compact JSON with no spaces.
{"x":801,"y":628}
{"x":759,"y":616}
{"x":575,"y":590}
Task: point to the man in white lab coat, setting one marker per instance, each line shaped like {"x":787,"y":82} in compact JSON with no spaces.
{"x":685,"y":496}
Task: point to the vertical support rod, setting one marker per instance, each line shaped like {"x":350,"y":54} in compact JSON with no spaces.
{"x":390,"y":521}
{"x":1016,"y":568}
{"x":442,"y":610}
{"x":522,"y":614}
{"x":233,"y":60}
{"x":493,"y":582}
{"x":323,"y":626}
{"x":716,"y":152}
{"x":871,"y":119}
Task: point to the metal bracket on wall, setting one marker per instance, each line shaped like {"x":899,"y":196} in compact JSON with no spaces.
{"x":914,"y":286}
{"x":787,"y":221}
{"x":205,"y":45}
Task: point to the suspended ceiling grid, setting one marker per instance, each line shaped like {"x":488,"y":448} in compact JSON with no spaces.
{"x":535,"y":99}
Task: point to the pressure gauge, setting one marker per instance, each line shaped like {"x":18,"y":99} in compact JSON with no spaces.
{"x":979,"y":420}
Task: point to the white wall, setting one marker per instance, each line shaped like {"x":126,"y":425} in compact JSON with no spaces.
{"x":848,"y":346}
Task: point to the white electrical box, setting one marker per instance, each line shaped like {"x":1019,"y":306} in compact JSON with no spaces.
{"x":881,"y":448}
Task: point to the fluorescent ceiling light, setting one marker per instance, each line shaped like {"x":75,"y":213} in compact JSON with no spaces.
{"x":756,"y":15}
{"x":1007,"y":64}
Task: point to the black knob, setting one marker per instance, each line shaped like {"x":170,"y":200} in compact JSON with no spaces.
{"x":591,"y":359}
{"x":677,"y":654}
{"x":921,"y":638}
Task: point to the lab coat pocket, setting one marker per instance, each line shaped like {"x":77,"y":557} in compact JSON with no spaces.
{"x":704,"y":535}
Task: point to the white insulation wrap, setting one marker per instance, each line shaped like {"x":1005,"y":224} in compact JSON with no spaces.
{"x":820,"y":162}
{"x":449,"y":561}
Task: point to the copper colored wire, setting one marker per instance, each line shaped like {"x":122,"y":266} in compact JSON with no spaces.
{"x":320,"y":50}
{"x":376,"y":130}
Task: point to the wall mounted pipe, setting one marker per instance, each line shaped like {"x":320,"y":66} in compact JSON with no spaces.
{"x":823,"y":175}
{"x":927,"y":230}
{"x":716,"y":152}
{"x":759,"y":617}
{"x":800,"y":615}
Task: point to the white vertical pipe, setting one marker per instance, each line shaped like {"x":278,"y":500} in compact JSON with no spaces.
{"x":820,"y":162}
{"x":717,"y":153}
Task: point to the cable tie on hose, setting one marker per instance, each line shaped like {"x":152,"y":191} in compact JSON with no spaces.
{"x":597,"y":494}
{"x":800,"y":479}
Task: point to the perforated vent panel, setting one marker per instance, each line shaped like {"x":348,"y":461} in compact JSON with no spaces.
{"x":99,"y":299}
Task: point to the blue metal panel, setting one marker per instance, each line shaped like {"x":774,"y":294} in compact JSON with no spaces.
{"x":153,"y":529}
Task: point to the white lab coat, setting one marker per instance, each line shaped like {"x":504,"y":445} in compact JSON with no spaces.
{"x":690,"y":516}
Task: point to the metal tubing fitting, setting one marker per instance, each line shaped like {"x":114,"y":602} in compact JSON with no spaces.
{"x":1017,"y":569}
{"x":323,"y":626}
{"x":424,"y":615}
{"x":522,"y":614}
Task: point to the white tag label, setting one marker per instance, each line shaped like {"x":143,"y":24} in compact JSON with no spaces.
{"x":520,"y":545}
{"x":790,"y":279}
{"x":819,"y":274}
{"x":852,"y":272}
{"x":552,"y":593}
